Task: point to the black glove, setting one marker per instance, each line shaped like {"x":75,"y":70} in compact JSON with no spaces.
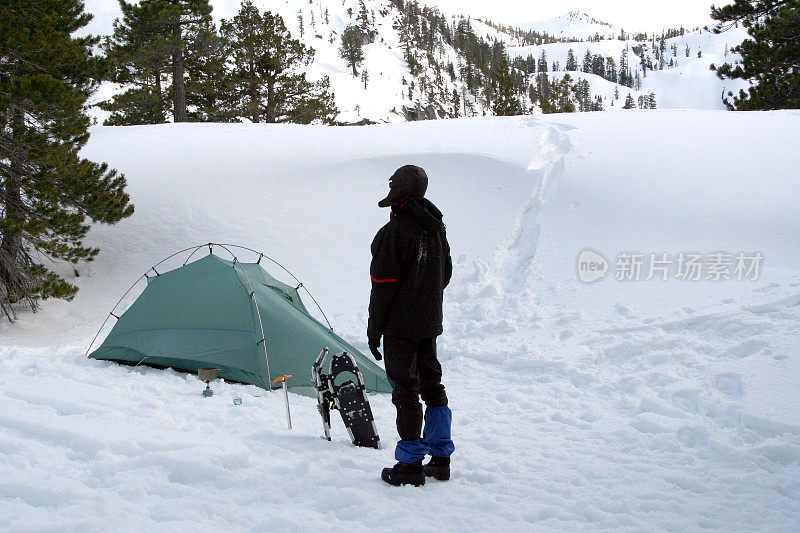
{"x":374,"y":343}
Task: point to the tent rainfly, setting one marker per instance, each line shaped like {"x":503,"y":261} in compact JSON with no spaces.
{"x":230,"y":315}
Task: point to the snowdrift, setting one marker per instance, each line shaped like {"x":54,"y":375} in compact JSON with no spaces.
{"x":660,"y":404}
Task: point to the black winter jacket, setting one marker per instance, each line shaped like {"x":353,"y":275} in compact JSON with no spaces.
{"x":410,"y":269}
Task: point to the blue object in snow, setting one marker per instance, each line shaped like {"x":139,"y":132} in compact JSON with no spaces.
{"x":410,"y":451}
{"x":436,"y":435}
{"x":435,"y":438}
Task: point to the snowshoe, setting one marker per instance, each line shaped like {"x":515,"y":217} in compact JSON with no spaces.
{"x":349,"y":397}
{"x":324,"y":395}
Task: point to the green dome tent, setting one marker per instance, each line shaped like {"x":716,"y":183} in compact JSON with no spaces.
{"x":230,"y":315}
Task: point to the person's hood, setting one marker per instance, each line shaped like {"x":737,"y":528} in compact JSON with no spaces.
{"x":423,"y":212}
{"x":408,"y":181}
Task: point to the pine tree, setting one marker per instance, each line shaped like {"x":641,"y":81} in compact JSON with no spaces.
{"x":157,"y":38}
{"x":770,"y":57}
{"x":264,"y":82}
{"x":542,"y":66}
{"x":562,"y":96}
{"x":630,"y":103}
{"x":584,"y":95}
{"x":533,"y":95}
{"x":611,"y":70}
{"x":587,"y":62}
{"x":542,"y":91}
{"x":206,"y":81}
{"x":625,"y":77}
{"x":140,"y":60}
{"x":364,"y":22}
{"x":599,"y":65}
{"x":352,"y":47}
{"x":506,"y":102}
{"x":451,"y":71}
{"x":527,"y":65}
{"x":572,"y":64}
{"x":50,"y":194}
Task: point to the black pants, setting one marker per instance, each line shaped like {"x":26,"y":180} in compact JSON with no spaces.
{"x":413,"y":371}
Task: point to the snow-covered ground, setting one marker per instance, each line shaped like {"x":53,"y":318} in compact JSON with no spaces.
{"x":639,"y":405}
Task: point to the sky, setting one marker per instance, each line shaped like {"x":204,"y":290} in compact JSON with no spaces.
{"x":631,"y":15}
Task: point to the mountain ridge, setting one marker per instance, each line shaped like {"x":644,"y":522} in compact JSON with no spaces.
{"x":573,"y":24}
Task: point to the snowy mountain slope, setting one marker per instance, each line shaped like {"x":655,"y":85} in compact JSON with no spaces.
{"x":319,"y":24}
{"x":573,"y":25}
{"x":485,"y":31}
{"x":627,"y":405}
{"x":688,"y":84}
{"x":385,"y":94}
{"x":392,"y":94}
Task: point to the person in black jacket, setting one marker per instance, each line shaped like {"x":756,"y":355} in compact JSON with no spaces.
{"x":410,"y":269}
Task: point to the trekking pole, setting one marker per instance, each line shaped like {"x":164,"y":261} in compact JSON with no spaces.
{"x":286,"y":397}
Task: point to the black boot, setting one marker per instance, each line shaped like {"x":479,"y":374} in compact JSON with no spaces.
{"x":404,"y":474}
{"x":438,"y":468}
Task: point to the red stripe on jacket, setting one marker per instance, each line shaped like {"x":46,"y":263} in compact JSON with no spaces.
{"x":383,"y":280}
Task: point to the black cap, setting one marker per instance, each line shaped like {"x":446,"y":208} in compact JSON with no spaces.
{"x":408,"y":181}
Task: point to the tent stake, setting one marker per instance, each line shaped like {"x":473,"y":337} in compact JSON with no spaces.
{"x":286,"y":397}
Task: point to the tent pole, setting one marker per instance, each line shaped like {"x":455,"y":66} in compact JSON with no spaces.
{"x":111,"y":313}
{"x":258,"y":313}
{"x":140,"y":278}
{"x":262,"y":256}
